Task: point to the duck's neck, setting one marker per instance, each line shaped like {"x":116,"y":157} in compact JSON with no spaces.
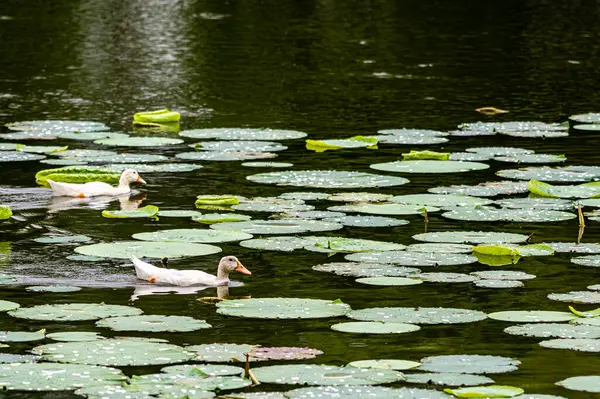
{"x":222,"y":275}
{"x":123,"y":183}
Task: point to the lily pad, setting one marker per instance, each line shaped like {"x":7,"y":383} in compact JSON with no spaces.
{"x":447,"y":379}
{"x":413,"y":132}
{"x":366,"y":269}
{"x":312,"y":374}
{"x":282,"y":308}
{"x":225,"y":200}
{"x":389,"y":281}
{"x":283,"y":353}
{"x":503,"y":275}
{"x":352,"y":245}
{"x":359,"y":197}
{"x":542,"y":189}
{"x":469,"y":156}
{"x":175,"y":213}
{"x":221,"y":352}
{"x":63,"y":162}
{"x":426,"y":154}
{"x":74,"y":312}
{"x":498,"y":283}
{"x":427,"y":166}
{"x":444,"y":277}
{"x":532,"y":158}
{"x":585,"y":118}
{"x":304,"y":196}
{"x":554,"y":330}
{"x":150,"y":249}
{"x":22,"y":336}
{"x":487,"y":189}
{"x":408,"y":139}
{"x":17,"y":156}
{"x":469,"y":364}
{"x":193,"y":235}
{"x":440,"y":200}
{"x":337,"y":144}
{"x":57,"y":126}
{"x":85,"y":153}
{"x":327,"y":179}
{"x":471,"y":237}
{"x":156,"y":168}
{"x":516,"y":126}
{"x":281,"y":243}
{"x":158,"y":116}
{"x":212,"y":370}
{"x":490,"y":391}
{"x":374,"y":327}
{"x":418,"y":316}
{"x":386,"y":364}
{"x":153,"y":323}
{"x":224,"y":156}
{"x":283,"y":206}
{"x":590,"y":260}
{"x":143,"y":391}
{"x":148,"y":211}
{"x":510,"y":215}
{"x":114,"y":352}
{"x":446,"y":248}
{"x":76,"y":175}
{"x":12,"y":358}
{"x":91,"y":136}
{"x":267,"y":164}
{"x":366,"y":221}
{"x":242,"y":134}
{"x":212,"y":218}
{"x":41,"y":149}
{"x":587,"y":383}
{"x":5,"y":212}
{"x":532,"y":316}
{"x":312,"y":215}
{"x":75,"y":336}
{"x":537,"y":203}
{"x":239,"y":146}
{"x":592,"y":127}
{"x":577,"y":297}
{"x":405,"y":258}
{"x":360,"y":392}
{"x":500,"y":151}
{"x":53,"y":288}
{"x":553,"y":174}
{"x":8,"y":305}
{"x":281,"y":226}
{"x":581,"y":344}
{"x":384,"y":209}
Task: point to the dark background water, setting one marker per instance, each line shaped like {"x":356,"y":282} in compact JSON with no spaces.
{"x":331,"y":69}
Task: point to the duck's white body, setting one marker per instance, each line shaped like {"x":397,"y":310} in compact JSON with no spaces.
{"x":184,"y":278}
{"x":94,"y":189}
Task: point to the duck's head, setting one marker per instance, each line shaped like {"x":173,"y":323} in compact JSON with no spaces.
{"x":230,"y":264}
{"x":131,"y":176}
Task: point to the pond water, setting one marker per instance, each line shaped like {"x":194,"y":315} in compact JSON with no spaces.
{"x":331,"y":70}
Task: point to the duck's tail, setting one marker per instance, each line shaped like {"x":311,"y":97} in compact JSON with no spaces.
{"x":143,"y":270}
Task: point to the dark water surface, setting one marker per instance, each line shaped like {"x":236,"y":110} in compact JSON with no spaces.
{"x":332,"y":69}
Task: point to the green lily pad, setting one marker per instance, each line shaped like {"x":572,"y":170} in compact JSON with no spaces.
{"x":283,"y":206}
{"x":63,"y":162}
{"x":212,"y":370}
{"x":53,"y":288}
{"x":553,"y":174}
{"x":385,"y":364}
{"x":374,"y":327}
{"x":62,"y":239}
{"x":12,"y":358}
{"x":312,"y":215}
{"x":405,"y":258}
{"x":242,"y":134}
{"x":76,"y":175}
{"x":18,"y":156}
{"x":355,"y":392}
{"x":225,"y":200}
{"x":283,"y":353}
{"x":9,"y":146}
{"x":548,"y":190}
{"x":503,"y":275}
{"x":487,"y":189}
{"x":591,"y":127}
{"x":282,"y":308}
{"x":22,"y":336}
{"x":74,"y":312}
{"x":281,"y":226}
{"x":153,"y":323}
{"x":418,"y":315}
{"x":587,"y":383}
{"x":532,"y":316}
{"x":389,"y":281}
{"x":500,"y":151}
{"x":178,"y":213}
{"x":426,"y":154}
{"x":498,"y":283}
{"x":446,"y":248}
{"x":556,"y":204}
{"x":408,"y":139}
{"x":55,"y":377}
{"x":358,"y":197}
{"x":143,"y":391}
{"x":126,"y":158}
{"x":113,"y":352}
{"x":158,"y":116}
{"x":510,"y":215}
{"x":590,"y":260}
{"x":514,"y":250}
{"x":91,"y":136}
{"x":469,"y":364}
{"x":212,"y":218}
{"x":471,"y":237}
{"x":532,"y":158}
{"x":413,"y":132}
{"x":447,"y":379}
{"x":427,"y":166}
{"x":595,"y":287}
{"x":85,"y":153}
{"x":5,"y":212}
{"x":281,"y":243}
{"x":156,"y":168}
{"x":366,"y":269}
{"x":149,"y":249}
{"x":445,"y":277}
{"x":312,"y":374}
{"x":352,"y":245}
{"x":75,"y":336}
{"x":554,"y":330}
{"x":490,"y":391}
{"x":224,"y":156}
{"x":571,"y":247}
{"x":41,"y":149}
{"x":326,"y":179}
{"x":366,"y":221}
{"x":585,"y":118}
{"x":239,"y":146}
{"x":440,"y":200}
{"x":139,"y":141}
{"x":193,"y":235}
{"x":581,"y":344}
{"x":267,"y":164}
{"x":384,"y":209}
{"x":337,"y":144}
{"x":469,"y":156}
{"x":8,"y":305}
{"x":577,"y":297}
{"x":517,"y":126}
{"x":305,"y":196}
{"x":52,"y":127}
{"x":222,"y":352}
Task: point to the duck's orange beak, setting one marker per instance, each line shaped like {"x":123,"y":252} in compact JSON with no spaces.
{"x":140,"y":180}
{"x":241,"y":269}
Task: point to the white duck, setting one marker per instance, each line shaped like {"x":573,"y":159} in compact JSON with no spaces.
{"x":96,"y":188}
{"x":184,"y":278}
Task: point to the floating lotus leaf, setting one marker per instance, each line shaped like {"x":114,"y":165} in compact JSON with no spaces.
{"x":22,"y":336}
{"x":553,"y":174}
{"x":193,"y":235}
{"x":593,"y":127}
{"x":540,"y":396}
{"x":284,"y":353}
{"x":440,"y":200}
{"x":537,"y":203}
{"x":312,"y":374}
{"x":225,"y":200}
{"x":366,"y":269}
{"x":537,"y":134}
{"x":242,"y":134}
{"x":153,"y":323}
{"x":363,"y":392}
{"x":76,"y":175}
{"x":148,"y":211}
{"x":268,"y":164}
{"x":63,"y":162}
{"x":577,"y":297}
{"x":211,"y":218}
{"x":490,"y":391}
{"x":498,"y":283}
{"x":409,"y":139}
{"x":418,"y":316}
{"x":518,"y":126}
{"x":487,"y":189}
{"x":554,"y":330}
{"x":239,"y":146}
{"x":591,"y":260}
{"x":336,"y":144}
{"x":149,"y":249}
{"x":258,"y":395}
{"x":114,"y":352}
{"x":384,"y":209}
{"x":416,"y":155}
{"x":429,"y":166}
{"x":405,"y":258}
{"x":305,"y":196}
{"x":589,"y":314}
{"x":11,"y":358}
{"x":91,"y":136}
{"x":389,"y":281}
{"x":55,"y":377}
{"x":62,"y":239}
{"x":313,"y":215}
{"x":282,"y":308}
{"x":8,"y":305}
{"x":221,"y":352}
{"x":581,"y":344}
{"x":386,"y":364}
{"x":532,"y":316}
{"x":157,"y":168}
{"x":533,"y":158}
{"x":181,"y":385}
{"x":143,"y":391}
{"x":5,"y":212}
{"x":266,"y":207}
{"x":366,"y":221}
{"x":585,"y":118}
{"x":447,"y":379}
{"x":85,"y":153}
{"x":28,"y":136}
{"x":413,"y":132}
{"x":19,"y":156}
{"x":53,"y":288}
{"x":548,"y":190}
{"x":359,"y":197}
{"x":351,"y":245}
{"x":178,"y":213}
{"x":469,"y":156}
{"x":75,"y":336}
{"x":224,"y":156}
{"x":503,"y":275}
{"x":442,"y":277}
{"x":514,"y":250}
{"x":469,"y":364}
{"x":500,"y":151}
{"x":126,"y":158}
{"x":471,"y":237}
{"x":327,"y":179}
{"x":571,"y":247}
{"x":40,"y":149}
{"x":202,"y":369}
{"x":9,"y":146}
{"x":587,"y":383}
{"x":280,"y":226}
{"x":281,"y":243}
{"x":511,"y":215}
{"x":158,"y":116}
{"x":595,"y":287}
{"x":447,"y":248}
{"x":74,"y":312}
{"x":374,"y":327}
{"x":52,"y":127}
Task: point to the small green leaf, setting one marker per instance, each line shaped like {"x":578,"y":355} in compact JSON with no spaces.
{"x":5,"y":212}
{"x":148,"y":211}
{"x":158,"y":116}
{"x":591,"y":313}
{"x":496,"y":250}
{"x":416,"y":155}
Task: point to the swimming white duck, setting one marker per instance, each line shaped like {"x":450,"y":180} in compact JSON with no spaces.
{"x":96,"y":188}
{"x":184,"y":278}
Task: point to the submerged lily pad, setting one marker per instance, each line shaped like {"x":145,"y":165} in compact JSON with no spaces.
{"x":74,"y":312}
{"x":221,"y":352}
{"x":374,"y":327}
{"x":22,"y":336}
{"x":510,"y":215}
{"x":490,"y":391}
{"x":326,"y":179}
{"x":577,"y":297}
{"x":53,"y":288}
{"x":428,"y":166}
{"x":532,"y":316}
{"x":283,"y":353}
{"x":587,"y":383}
{"x":282,"y":308}
{"x":193,"y":235}
{"x":389,"y":281}
{"x":384,"y":209}
{"x":150,"y":249}
{"x":469,"y":364}
{"x":581,"y":344}
{"x":148,"y":211}
{"x":386,"y":364}
{"x":75,"y":336}
{"x":242,"y":134}
{"x":211,"y":218}
{"x":418,"y":315}
{"x":8,"y":305}
{"x":153,"y":323}
{"x":471,"y":237}
{"x":447,"y":379}
{"x":281,"y":226}
{"x":366,"y":269}
{"x":554,"y":330}
{"x":487,"y":189}
{"x":405,"y":258}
